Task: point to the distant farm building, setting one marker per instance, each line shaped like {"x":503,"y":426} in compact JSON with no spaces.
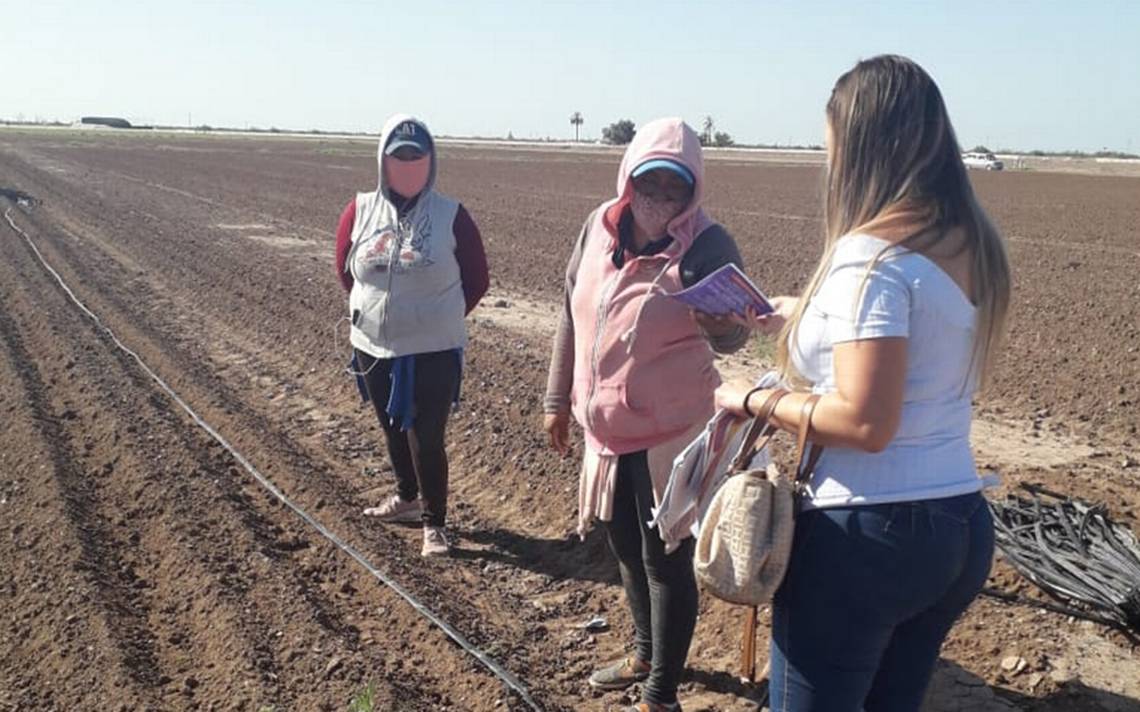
{"x":111,"y":121}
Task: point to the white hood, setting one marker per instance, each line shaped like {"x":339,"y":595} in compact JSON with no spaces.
{"x":390,"y":126}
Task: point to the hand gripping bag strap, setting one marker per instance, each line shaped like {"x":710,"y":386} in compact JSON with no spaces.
{"x":760,"y":431}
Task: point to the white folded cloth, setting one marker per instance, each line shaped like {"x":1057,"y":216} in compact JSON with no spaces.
{"x":700,"y":470}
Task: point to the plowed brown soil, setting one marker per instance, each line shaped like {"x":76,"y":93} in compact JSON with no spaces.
{"x":144,"y":569}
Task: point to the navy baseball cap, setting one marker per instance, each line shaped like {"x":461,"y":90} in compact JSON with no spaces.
{"x":408,"y":133}
{"x":668,"y":165}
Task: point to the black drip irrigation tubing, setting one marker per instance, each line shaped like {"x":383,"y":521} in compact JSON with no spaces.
{"x":1059,"y":572}
{"x":498,"y":670}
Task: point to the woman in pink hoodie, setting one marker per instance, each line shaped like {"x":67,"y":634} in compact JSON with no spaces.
{"x":635,"y":368}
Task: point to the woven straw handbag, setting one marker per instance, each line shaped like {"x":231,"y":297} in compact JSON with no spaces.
{"x":745,"y":540}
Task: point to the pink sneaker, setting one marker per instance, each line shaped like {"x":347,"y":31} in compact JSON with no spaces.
{"x":395,"y":509}
{"x":435,"y":542}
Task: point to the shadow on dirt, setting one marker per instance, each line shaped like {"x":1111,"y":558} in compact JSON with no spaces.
{"x":18,"y":197}
{"x":560,"y":559}
{"x":954,"y":688}
{"x":725,"y":683}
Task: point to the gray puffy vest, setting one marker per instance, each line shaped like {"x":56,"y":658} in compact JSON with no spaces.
{"x":407,"y":295}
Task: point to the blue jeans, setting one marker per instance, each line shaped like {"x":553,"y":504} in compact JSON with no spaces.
{"x":869,"y":596}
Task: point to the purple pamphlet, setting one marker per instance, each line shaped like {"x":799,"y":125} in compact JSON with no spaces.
{"x":725,"y":291}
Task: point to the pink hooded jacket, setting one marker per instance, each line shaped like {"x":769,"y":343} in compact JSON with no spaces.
{"x":643,"y":370}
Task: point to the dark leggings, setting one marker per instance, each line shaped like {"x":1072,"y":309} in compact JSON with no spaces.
{"x":661,"y":588}
{"x":418,"y":455}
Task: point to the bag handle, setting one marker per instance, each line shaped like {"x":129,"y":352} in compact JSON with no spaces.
{"x":760,"y":431}
{"x":804,"y":469}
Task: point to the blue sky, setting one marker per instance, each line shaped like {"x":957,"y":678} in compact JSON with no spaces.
{"x":1049,"y":75}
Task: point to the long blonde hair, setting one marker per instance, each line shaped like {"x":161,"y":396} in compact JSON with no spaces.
{"x":894,"y":162}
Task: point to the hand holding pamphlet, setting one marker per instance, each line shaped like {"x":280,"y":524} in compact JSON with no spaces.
{"x":725,"y":291}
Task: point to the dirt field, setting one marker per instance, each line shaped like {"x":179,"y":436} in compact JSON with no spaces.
{"x":145,"y":569}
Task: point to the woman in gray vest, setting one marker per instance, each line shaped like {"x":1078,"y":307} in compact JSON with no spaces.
{"x":413,"y":264}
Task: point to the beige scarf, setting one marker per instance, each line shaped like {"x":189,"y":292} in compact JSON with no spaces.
{"x":598,"y":477}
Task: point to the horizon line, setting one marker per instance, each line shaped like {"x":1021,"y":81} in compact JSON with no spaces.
{"x":275,"y":130}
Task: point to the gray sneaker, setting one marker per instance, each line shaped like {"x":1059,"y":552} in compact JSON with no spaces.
{"x":620,"y":675}
{"x":435,"y":542}
{"x":396,"y":510}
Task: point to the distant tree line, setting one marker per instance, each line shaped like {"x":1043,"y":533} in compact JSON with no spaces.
{"x":619,"y":133}
{"x":622,"y":132}
{"x":1073,"y":154}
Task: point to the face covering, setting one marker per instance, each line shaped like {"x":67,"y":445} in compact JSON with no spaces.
{"x":407,"y":178}
{"x":653,"y":216}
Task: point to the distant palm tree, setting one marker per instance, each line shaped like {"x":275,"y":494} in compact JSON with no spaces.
{"x":577,"y":120}
{"x":709,"y":128}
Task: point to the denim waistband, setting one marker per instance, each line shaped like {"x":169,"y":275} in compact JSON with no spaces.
{"x":959,"y":508}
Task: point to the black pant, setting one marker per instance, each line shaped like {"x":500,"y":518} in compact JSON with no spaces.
{"x":661,"y":588}
{"x":418,"y":455}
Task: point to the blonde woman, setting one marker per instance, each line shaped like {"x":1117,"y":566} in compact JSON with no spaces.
{"x":898,"y":327}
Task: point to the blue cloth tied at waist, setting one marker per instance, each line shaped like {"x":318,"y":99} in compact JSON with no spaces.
{"x":401,"y":406}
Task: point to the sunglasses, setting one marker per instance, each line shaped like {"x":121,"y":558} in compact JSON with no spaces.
{"x":408,"y":153}
{"x":667,"y":189}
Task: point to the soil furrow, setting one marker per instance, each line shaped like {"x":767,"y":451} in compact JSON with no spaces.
{"x":113,"y":579}
{"x":202,"y":535}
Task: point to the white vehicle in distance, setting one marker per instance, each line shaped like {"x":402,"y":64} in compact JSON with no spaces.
{"x":982,"y":160}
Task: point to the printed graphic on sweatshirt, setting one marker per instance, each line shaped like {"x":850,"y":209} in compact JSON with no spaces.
{"x":404,"y":248}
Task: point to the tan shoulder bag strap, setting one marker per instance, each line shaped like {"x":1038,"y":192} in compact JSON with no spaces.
{"x":806,"y":462}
